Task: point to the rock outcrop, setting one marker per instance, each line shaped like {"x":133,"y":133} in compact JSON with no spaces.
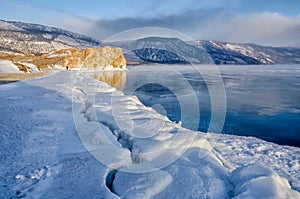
{"x":95,"y":58}
{"x":98,"y":58}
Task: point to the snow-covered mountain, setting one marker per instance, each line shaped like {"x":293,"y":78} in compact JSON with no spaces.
{"x":230,"y":53}
{"x":174,"y":50}
{"x":163,"y":50}
{"x":39,"y":39}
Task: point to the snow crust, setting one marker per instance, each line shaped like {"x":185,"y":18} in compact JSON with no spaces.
{"x":31,"y":67}
{"x":70,"y":136}
{"x":7,"y":66}
{"x":256,"y":181}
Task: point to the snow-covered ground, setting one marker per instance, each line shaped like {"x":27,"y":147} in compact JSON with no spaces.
{"x":31,"y":67}
{"x":70,"y":136}
{"x":7,"y":66}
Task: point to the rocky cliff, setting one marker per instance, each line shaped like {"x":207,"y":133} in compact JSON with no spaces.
{"x":95,"y":58}
{"x":100,"y":58}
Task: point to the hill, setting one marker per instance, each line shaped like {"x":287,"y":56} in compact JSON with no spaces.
{"x":38,"y":39}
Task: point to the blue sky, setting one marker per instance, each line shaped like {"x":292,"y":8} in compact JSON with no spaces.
{"x":269,"y":22}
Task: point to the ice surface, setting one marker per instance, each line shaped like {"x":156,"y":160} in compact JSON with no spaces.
{"x":70,"y":136}
{"x":261,"y":101}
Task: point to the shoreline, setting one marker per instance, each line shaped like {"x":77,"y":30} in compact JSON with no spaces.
{"x":6,"y":78}
{"x":60,"y":118}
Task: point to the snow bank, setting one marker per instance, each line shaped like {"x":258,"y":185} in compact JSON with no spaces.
{"x":257,"y":181}
{"x":7,"y":66}
{"x":31,"y":67}
{"x":145,"y":185}
{"x":76,"y":137}
{"x":156,"y":144}
{"x":238,"y":151}
{"x":41,"y":155}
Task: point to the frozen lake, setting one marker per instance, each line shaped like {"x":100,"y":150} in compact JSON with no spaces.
{"x":261,"y":100}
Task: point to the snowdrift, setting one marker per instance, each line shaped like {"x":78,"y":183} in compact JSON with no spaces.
{"x":70,"y":136}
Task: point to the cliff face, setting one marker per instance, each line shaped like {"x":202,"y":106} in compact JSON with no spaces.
{"x":100,"y":58}
{"x":96,"y":58}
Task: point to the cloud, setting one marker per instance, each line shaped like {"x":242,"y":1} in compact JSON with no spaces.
{"x":266,"y":28}
{"x":218,"y":24}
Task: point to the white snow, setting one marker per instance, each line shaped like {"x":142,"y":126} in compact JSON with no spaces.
{"x":238,"y":151}
{"x":65,"y":39}
{"x":58,"y":67}
{"x":54,"y":54}
{"x":249,"y":51}
{"x":7,"y":26}
{"x":144,"y":185}
{"x":256,"y":181}
{"x":32,"y":68}
{"x":7,"y":66}
{"x":57,"y":55}
{"x":70,"y":136}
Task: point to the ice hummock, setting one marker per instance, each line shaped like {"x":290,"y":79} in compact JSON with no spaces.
{"x":42,"y":155}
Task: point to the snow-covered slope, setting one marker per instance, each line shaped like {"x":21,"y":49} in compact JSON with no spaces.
{"x":39,"y":39}
{"x":168,"y":50}
{"x":7,"y":66}
{"x":173,"y":50}
{"x":163,"y":50}
{"x":230,"y":53}
{"x":70,"y":136}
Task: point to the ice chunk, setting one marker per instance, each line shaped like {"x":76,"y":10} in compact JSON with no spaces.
{"x":146,"y":185}
{"x":257,"y":181}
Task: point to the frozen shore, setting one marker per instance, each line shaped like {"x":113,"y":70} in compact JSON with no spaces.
{"x":69,"y":136}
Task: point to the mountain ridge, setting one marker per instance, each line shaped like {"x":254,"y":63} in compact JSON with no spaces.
{"x":151,"y":48}
{"x":260,"y":54}
{"x":39,"y":39}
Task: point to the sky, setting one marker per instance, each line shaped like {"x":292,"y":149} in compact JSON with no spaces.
{"x":265,"y":22}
